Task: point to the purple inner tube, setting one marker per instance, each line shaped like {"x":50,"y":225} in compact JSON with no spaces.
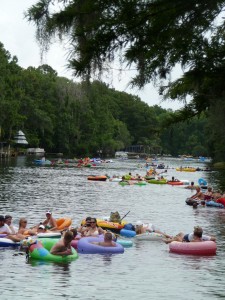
{"x":2,"y":235}
{"x":85,"y":246}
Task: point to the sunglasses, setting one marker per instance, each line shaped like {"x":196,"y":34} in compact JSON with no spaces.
{"x":92,"y":222}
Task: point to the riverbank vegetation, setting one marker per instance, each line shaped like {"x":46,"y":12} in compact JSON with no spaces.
{"x":60,"y":115}
{"x":153,"y":37}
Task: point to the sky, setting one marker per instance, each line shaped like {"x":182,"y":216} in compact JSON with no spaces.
{"x":18,"y":37}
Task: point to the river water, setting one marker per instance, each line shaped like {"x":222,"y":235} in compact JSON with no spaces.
{"x":145,"y":271}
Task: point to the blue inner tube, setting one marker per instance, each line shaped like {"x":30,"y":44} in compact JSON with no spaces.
{"x":4,"y":242}
{"x":85,"y":246}
{"x":202,"y":181}
{"x":214,"y":204}
{"x":127,"y":233}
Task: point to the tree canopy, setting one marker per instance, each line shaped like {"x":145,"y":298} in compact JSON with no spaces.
{"x":83,"y":118}
{"x":154,"y":36}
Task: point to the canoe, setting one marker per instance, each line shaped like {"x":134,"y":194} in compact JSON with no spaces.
{"x":97,"y":178}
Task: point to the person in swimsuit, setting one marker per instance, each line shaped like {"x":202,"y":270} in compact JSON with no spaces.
{"x":108,"y":242}
{"x":94,"y":230}
{"x":141,"y":228}
{"x":195,"y":236}
{"x":198,"y":195}
{"x":50,"y":222}
{"x":85,"y":227}
{"x":23,"y":231}
{"x":4,"y":228}
{"x":63,"y":246}
{"x":8,"y":221}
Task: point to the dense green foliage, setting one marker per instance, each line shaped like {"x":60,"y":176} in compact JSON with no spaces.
{"x":79,"y":119}
{"x":154,"y":36}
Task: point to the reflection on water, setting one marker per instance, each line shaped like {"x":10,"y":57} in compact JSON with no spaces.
{"x":145,"y":271}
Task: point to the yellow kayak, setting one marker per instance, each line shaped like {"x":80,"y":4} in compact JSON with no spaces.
{"x":186,"y":169}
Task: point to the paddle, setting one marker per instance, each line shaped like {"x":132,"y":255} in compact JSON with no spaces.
{"x":124,"y":216}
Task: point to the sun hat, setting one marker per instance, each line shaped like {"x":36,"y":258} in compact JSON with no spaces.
{"x":48,"y":212}
{"x":139,"y":223}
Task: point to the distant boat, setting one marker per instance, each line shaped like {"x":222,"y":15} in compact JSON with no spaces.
{"x":42,"y":162}
{"x":204,"y":159}
{"x":121,"y":154}
{"x":36,"y":151}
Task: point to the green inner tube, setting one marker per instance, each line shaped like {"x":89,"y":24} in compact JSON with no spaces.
{"x":41,"y":251}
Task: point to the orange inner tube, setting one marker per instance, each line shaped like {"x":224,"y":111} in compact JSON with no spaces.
{"x":63,"y":223}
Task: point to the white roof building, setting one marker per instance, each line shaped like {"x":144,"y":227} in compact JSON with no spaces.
{"x":20,"y":138}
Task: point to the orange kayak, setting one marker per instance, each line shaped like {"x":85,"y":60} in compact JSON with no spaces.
{"x":97,"y":178}
{"x":175,"y":182}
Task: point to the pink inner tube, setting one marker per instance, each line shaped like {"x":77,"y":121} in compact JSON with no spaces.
{"x":75,"y":242}
{"x":193,"y":248}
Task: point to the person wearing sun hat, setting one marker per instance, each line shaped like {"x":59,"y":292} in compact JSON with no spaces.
{"x":41,"y":228}
{"x":50,"y":222}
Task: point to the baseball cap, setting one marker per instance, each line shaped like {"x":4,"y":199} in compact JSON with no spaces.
{"x":41,"y":227}
{"x":48,"y":212}
{"x":139,"y":223}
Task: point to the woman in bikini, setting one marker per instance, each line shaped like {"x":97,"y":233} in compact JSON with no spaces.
{"x":94,"y":230}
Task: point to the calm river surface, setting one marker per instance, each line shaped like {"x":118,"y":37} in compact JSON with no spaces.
{"x":145,"y":271}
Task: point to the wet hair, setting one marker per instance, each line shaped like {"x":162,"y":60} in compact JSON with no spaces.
{"x":195,"y":205}
{"x":108,"y":236}
{"x":74,"y":232}
{"x":68,"y":236}
{"x":8,"y":217}
{"x":198,"y":231}
{"x":192,"y":183}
